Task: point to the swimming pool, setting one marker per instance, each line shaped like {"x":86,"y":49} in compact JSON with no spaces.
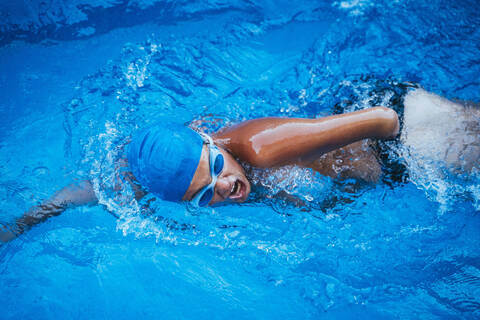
{"x":78,"y":77}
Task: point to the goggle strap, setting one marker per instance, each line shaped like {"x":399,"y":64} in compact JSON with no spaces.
{"x":206,"y":138}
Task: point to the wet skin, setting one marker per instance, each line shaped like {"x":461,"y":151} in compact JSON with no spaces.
{"x":232,"y":184}
{"x":271,"y":142}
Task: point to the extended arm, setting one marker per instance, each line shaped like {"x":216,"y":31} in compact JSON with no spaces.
{"x":69,"y":197}
{"x":269,"y":142}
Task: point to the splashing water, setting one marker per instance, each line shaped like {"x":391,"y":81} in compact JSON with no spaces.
{"x":149,"y":82}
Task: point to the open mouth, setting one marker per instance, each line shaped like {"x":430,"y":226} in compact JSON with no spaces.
{"x":238,"y":191}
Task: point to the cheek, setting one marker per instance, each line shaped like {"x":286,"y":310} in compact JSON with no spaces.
{"x":216,"y":199}
{"x":232,"y":168}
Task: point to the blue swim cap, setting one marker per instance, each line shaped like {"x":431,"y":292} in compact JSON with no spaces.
{"x":164,"y":158}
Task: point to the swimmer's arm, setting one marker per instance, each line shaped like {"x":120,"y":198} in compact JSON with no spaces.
{"x":71,"y":196}
{"x":270,"y":142}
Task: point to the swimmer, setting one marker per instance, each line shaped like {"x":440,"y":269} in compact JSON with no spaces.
{"x":175,"y":163}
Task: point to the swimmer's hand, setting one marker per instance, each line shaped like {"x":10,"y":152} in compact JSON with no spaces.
{"x":6,"y":234}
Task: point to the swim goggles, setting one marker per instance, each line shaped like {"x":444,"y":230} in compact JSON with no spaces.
{"x":203,"y":197}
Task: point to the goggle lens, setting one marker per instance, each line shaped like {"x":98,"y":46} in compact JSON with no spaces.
{"x":218,"y":165}
{"x":206,"y":198}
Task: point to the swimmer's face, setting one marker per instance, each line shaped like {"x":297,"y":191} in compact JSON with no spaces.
{"x":232,"y":184}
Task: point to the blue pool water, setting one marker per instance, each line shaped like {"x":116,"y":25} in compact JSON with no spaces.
{"x":77,"y":77}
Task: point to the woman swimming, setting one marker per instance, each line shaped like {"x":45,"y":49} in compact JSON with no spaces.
{"x":175,"y":163}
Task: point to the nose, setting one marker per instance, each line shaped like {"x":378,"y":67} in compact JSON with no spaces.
{"x":222,"y":187}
